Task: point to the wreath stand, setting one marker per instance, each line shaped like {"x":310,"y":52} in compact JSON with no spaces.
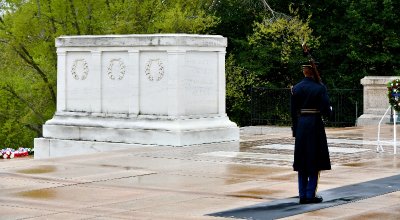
{"x":379,"y":148}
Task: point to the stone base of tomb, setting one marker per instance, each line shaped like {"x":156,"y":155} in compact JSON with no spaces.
{"x":69,"y":134}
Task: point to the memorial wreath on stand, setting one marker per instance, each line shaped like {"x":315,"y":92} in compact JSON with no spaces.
{"x":394,"y":94}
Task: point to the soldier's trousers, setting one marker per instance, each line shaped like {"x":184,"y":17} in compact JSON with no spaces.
{"x":308,"y":184}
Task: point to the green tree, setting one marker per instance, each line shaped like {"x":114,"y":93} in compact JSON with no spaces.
{"x":373,"y":37}
{"x":238,"y":85}
{"x":351,"y":39}
{"x":358,"y":38}
{"x":269,"y":57}
{"x":275,"y":49}
{"x":28,"y":29}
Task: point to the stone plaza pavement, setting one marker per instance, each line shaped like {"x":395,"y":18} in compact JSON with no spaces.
{"x":190,"y":182}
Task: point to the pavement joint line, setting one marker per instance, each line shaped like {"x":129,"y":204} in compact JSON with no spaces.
{"x":28,"y":207}
{"x":206,"y":194}
{"x":80,"y":183}
{"x":213,"y":160}
{"x":130,"y":200}
{"x":94,"y":206}
{"x":215,"y":177}
{"x":25,"y":177}
{"x":74,"y":211}
{"x":50,"y":214}
{"x":250,"y":155}
{"x":188,"y":159}
{"x":289,"y":147}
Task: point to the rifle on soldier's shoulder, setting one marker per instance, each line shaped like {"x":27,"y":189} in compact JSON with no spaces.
{"x":311,"y":60}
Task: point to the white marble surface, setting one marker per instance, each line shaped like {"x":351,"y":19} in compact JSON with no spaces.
{"x":201,"y":83}
{"x":154,"y":81}
{"x":147,"y":40}
{"x":163,"y":89}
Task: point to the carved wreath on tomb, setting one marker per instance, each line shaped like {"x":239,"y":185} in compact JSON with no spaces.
{"x":85,"y":69}
{"x":394,"y":94}
{"x":159,"y":74}
{"x":121,"y":72}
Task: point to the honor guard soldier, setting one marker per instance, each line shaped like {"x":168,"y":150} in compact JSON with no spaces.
{"x":309,"y":103}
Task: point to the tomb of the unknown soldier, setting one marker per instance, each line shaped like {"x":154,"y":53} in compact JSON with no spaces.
{"x":117,"y":91}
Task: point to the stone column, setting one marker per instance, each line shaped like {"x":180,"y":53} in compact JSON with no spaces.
{"x":61,"y":69}
{"x":221,"y":83}
{"x":96,"y":106}
{"x":133,"y":66}
{"x":375,"y":99}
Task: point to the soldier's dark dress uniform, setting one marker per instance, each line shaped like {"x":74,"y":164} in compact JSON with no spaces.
{"x":309,"y":102}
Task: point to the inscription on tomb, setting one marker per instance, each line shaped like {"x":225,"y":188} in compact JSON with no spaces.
{"x":200,"y":83}
{"x":199,"y":80}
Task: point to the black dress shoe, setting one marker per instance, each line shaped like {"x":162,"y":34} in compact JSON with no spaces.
{"x":316,"y":199}
{"x":303,"y":201}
